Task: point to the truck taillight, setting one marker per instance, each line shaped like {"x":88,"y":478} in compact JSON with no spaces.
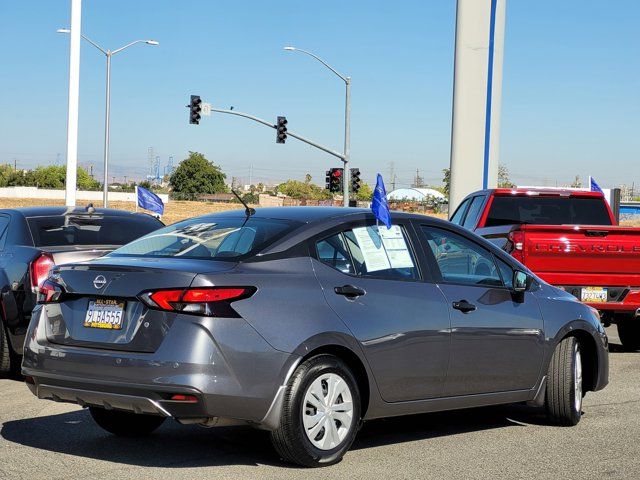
{"x":516,"y":245}
{"x":39,"y":270}
{"x":208,"y":301}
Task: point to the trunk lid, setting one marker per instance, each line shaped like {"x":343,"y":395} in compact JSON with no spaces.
{"x":120,"y":279}
{"x":75,"y":254}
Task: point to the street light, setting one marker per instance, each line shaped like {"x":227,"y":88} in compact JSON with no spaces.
{"x":108,"y":54}
{"x":347,"y":118}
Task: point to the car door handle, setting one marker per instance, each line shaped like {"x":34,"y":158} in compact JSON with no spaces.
{"x":349,"y":291}
{"x":464,"y":306}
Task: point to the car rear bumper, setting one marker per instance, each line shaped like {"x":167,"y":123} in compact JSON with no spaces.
{"x":224,"y":364}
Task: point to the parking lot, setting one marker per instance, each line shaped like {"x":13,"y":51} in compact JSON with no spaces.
{"x":42,"y":439}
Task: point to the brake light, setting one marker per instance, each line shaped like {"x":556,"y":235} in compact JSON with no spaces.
{"x":516,"y":245}
{"x":184,"y":398}
{"x":210,"y":301}
{"x":50,"y":292}
{"x":39,"y":270}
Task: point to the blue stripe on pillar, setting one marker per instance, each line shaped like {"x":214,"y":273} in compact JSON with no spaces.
{"x":487,"y":125}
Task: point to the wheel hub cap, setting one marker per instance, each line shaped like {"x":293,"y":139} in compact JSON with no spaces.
{"x":327,"y":411}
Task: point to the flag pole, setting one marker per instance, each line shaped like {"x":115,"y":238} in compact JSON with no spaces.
{"x":136,"y":197}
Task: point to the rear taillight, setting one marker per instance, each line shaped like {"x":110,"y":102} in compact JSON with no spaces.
{"x":210,"y":302}
{"x":39,"y":270}
{"x":516,"y":245}
{"x":50,"y":292}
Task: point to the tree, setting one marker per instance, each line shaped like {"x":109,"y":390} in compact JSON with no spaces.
{"x":503,"y":177}
{"x":196,"y":176}
{"x":303,"y":190}
{"x":446,"y":179}
{"x":365,"y":193}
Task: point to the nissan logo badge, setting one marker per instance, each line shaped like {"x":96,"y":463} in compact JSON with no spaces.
{"x":99,"y":282}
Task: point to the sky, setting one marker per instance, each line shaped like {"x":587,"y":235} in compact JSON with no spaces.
{"x":570,"y":102}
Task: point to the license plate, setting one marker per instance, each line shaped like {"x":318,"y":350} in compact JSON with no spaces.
{"x":594,"y":295}
{"x":104,"y":313}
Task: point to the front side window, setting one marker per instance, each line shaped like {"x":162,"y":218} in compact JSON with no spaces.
{"x":210,"y":238}
{"x":460,"y":260}
{"x":370,"y":252}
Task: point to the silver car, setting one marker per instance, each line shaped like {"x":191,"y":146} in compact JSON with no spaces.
{"x":306,"y":322}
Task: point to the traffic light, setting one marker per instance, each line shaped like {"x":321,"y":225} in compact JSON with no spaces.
{"x":194,"y":110}
{"x":335,"y":182}
{"x":328,"y":180}
{"x":281,"y":130}
{"x":356,"y":183}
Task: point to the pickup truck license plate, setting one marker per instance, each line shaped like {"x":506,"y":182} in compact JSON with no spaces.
{"x":594,"y":295}
{"x":104,"y":313}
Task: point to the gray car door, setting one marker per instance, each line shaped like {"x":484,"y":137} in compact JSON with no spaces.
{"x":374,"y":284}
{"x":496,"y":335}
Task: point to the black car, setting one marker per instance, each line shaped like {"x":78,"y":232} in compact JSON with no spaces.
{"x":32,"y":240}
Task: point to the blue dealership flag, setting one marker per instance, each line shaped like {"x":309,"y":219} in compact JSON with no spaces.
{"x":379,"y":204}
{"x":594,"y":186}
{"x":149,"y":201}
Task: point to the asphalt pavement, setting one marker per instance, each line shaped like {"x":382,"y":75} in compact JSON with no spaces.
{"x":41,"y":439}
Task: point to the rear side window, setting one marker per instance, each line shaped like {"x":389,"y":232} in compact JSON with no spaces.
{"x":370,"y":252}
{"x":210,"y":238}
{"x":473,"y":213}
{"x":459,"y":213}
{"x":509,"y":210}
{"x":63,"y":230}
{"x":4,"y":223}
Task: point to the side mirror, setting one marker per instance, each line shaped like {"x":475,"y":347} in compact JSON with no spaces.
{"x":520,"y":281}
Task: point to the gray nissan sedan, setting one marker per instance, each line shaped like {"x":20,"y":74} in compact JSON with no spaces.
{"x":306,"y":321}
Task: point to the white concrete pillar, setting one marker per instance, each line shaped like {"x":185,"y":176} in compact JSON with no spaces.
{"x":74,"y":95}
{"x":477,"y":91}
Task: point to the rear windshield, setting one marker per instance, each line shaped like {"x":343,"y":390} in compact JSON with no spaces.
{"x":548,"y":211}
{"x":65,"y":230}
{"x":218,"y":238}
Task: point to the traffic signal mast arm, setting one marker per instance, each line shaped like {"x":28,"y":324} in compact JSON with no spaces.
{"x":289,"y":132}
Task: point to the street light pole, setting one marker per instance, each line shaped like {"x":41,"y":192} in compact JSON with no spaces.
{"x":107,"y":110}
{"x":107,"y":121}
{"x":347,"y":121}
{"x":347,"y":140}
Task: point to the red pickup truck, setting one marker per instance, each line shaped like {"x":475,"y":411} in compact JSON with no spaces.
{"x":570,"y":239}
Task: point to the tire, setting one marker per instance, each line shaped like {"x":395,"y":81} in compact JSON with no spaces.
{"x":7,"y":359}
{"x":629,"y":333}
{"x":563,"y":400}
{"x":125,"y":424}
{"x":304,"y":411}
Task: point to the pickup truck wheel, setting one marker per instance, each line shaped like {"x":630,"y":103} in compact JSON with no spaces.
{"x":6,"y":355}
{"x":563,"y":400}
{"x":125,"y":424}
{"x":320,"y":414}
{"x":629,"y":333}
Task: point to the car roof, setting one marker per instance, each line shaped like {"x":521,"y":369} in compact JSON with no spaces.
{"x":541,"y":191}
{"x":301,"y":214}
{"x":60,"y":210}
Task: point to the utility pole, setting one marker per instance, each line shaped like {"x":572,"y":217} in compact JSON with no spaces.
{"x":125,"y":179}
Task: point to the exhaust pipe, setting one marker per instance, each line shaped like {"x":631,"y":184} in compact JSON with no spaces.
{"x":637,"y":314}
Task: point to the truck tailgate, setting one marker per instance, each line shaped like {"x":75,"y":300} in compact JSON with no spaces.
{"x":560,"y":253}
